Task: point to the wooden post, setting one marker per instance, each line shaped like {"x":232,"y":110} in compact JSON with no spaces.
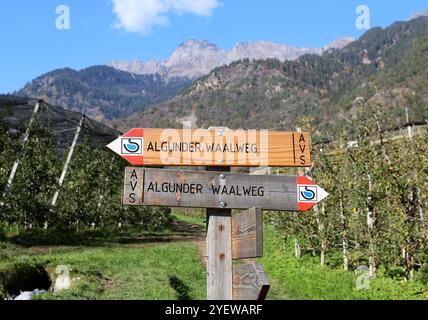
{"x":219,"y":251}
{"x":247,"y":234}
{"x":249,"y":282}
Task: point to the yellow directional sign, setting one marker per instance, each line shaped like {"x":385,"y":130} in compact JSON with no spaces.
{"x":218,"y":147}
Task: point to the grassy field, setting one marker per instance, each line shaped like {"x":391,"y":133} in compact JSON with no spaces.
{"x":135,"y":273}
{"x":114,"y":264}
{"x":167,"y":264}
{"x":304,"y":278}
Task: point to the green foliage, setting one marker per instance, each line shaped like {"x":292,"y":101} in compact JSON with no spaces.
{"x":28,"y":201}
{"x":305,"y":279}
{"x":423,"y":274}
{"x":376,"y":212}
{"x":6,"y":158}
{"x":89,"y":197}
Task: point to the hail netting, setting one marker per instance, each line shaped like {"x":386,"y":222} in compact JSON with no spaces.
{"x":90,"y":195}
{"x":62,"y":123}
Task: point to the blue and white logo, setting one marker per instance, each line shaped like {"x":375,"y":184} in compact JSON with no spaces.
{"x":308,"y":193}
{"x":132,"y":146}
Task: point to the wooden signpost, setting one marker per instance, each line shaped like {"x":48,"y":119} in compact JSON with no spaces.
{"x":228,"y":237}
{"x":219,"y":252}
{"x":201,"y":189}
{"x":220,"y":148}
{"x":249,"y":282}
{"x":247,"y":234}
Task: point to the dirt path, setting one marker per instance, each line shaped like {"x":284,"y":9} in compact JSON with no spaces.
{"x":189,"y":230}
{"x":196,"y":234}
{"x":179,"y":232}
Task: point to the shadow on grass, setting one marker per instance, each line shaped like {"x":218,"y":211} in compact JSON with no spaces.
{"x":181,"y":289}
{"x":177,"y":231}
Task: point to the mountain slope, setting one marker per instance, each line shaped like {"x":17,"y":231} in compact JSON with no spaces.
{"x":275,"y":95}
{"x":107,"y":93}
{"x":104,"y":92}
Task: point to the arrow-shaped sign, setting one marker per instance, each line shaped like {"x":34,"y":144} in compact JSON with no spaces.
{"x":200,"y":189}
{"x":130,"y":146}
{"x":218,"y":147}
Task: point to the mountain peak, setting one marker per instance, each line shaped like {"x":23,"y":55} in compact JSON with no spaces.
{"x":199,"y":44}
{"x":420,"y":14}
{"x":194,"y":58}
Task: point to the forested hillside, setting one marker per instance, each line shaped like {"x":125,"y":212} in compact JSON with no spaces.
{"x":102,"y":92}
{"x":275,"y":95}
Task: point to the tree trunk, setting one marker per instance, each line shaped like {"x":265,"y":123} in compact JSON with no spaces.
{"x":297,"y":252}
{"x":323,"y":249}
{"x":420,"y":208}
{"x":370,"y":228}
{"x":345,"y":254}
{"x":345,"y":244}
{"x":409,"y":262}
{"x":321,"y":232}
{"x":357,"y":243}
{"x":372,"y":266}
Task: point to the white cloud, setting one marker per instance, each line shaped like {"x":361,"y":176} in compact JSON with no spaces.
{"x":142,"y":15}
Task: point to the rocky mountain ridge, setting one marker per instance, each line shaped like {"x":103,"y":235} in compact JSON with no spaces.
{"x":195,"y":58}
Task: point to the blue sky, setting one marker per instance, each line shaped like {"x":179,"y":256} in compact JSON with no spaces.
{"x":106,"y":30}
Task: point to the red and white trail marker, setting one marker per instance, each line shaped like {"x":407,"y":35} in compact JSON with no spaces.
{"x":308,"y":193}
{"x":130,"y":146}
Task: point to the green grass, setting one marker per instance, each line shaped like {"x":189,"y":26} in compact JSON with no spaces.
{"x":86,"y":237}
{"x":198,"y":220}
{"x":167,"y":264}
{"x":172,"y":271}
{"x":304,"y":278}
{"x":111,"y":264}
